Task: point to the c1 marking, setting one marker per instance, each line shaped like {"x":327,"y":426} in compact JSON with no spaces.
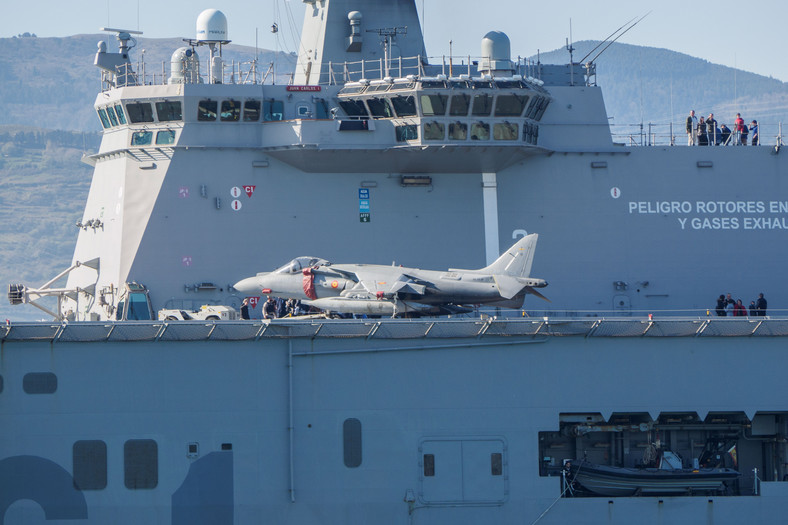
{"x":249,"y":190}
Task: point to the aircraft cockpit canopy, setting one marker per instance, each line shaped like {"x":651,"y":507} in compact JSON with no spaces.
{"x":298,"y":264}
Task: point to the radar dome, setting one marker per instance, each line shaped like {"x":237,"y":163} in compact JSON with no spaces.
{"x":496,"y":53}
{"x":496,"y":46}
{"x":212,"y":26}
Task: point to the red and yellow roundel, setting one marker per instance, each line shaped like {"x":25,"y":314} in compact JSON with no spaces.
{"x":334,"y":284}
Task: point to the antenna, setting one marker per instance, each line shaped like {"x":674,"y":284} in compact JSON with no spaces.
{"x":619,"y":36}
{"x":387,"y":36}
{"x":571,"y":49}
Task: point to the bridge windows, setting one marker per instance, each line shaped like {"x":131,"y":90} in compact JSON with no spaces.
{"x":406,"y":132}
{"x":505,"y":131}
{"x":434,"y":105}
{"x":119,"y":112}
{"x":510,"y":105}
{"x":480,"y":131}
{"x":434,"y":131}
{"x":169,"y":110}
{"x":139,"y":112}
{"x":458,"y":131}
{"x":354,"y":108}
{"x":206,"y":110}
{"x":380,"y":108}
{"x":141,"y":138}
{"x":405,"y":106}
{"x":251,"y":112}
{"x":458,"y":107}
{"x":165,"y":137}
{"x":482,"y":105}
{"x":273,"y":110}
{"x":102,"y":113}
{"x":231,"y":111}
{"x":111,"y":114}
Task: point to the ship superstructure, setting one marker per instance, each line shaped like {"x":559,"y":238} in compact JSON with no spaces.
{"x":376,"y":152}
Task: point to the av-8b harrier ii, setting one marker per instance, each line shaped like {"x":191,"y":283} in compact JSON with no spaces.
{"x":373,"y":289}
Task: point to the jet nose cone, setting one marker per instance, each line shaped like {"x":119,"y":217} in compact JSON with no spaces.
{"x":250,"y":285}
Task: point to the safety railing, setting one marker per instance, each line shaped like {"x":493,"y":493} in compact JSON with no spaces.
{"x":452,"y":329}
{"x":675,"y":134}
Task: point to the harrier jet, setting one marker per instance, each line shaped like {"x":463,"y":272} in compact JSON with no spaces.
{"x":373,"y":289}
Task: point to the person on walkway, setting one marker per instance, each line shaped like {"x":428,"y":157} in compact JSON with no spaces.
{"x":692,"y":128}
{"x":739,"y":310}
{"x":754,"y":133}
{"x":760,"y":304}
{"x":738,"y":127}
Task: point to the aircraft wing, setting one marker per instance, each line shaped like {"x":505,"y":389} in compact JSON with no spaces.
{"x":383,"y":279}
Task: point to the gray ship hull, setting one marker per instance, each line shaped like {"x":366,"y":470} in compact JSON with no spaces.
{"x":256,"y":430}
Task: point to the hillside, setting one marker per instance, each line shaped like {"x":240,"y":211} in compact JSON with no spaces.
{"x":43,"y":188}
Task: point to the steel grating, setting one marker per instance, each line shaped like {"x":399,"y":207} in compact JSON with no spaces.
{"x":727,"y":328}
{"x":629,"y":328}
{"x":346,"y":329}
{"x":291,"y":329}
{"x":32,"y":332}
{"x":568,"y":327}
{"x":186,"y":331}
{"x":235,"y":331}
{"x":513,"y":327}
{"x":675,"y":327}
{"x":85,"y":332}
{"x":138,"y":331}
{"x":396,"y":329}
{"x":770,"y":327}
{"x":449,"y":329}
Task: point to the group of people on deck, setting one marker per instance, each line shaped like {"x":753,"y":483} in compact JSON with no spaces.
{"x":705,"y":132}
{"x":726,"y":306}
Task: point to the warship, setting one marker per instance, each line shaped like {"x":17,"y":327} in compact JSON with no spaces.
{"x":376,"y":152}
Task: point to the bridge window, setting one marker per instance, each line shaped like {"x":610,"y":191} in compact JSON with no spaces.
{"x":89,"y":459}
{"x":380,"y":108}
{"x":231,"y":110}
{"x":121,"y":115}
{"x":505,"y":131}
{"x":404,"y":106}
{"x":480,"y":131}
{"x":530,"y":133}
{"x":206,"y":110}
{"x":458,"y":107}
{"x":458,"y":131}
{"x":111,"y":114}
{"x":251,"y":111}
{"x":482,"y":105}
{"x":165,"y":137}
{"x":434,"y":131}
{"x":351,"y":437}
{"x":432,"y":105}
{"x":139,"y":112}
{"x":510,"y":105}
{"x":102,"y":113}
{"x":141,"y":138}
{"x":354,"y":108}
{"x":169,"y":110}
{"x":273,"y":110}
{"x":39,"y":383}
{"x":533,"y":107}
{"x":406,"y":132}
{"x":141,"y":464}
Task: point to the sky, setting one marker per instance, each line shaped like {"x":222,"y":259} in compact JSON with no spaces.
{"x":747,"y":35}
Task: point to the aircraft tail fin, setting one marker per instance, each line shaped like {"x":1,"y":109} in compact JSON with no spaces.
{"x":517,"y":260}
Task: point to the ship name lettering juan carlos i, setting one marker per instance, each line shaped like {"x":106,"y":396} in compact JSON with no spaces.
{"x":374,"y":152}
